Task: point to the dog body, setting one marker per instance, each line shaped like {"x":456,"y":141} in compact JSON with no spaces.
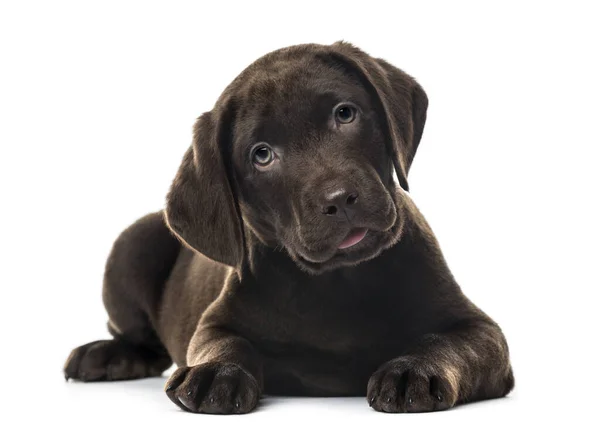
{"x":298,"y":266}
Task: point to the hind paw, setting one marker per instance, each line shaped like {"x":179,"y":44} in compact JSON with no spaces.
{"x":107,"y":360}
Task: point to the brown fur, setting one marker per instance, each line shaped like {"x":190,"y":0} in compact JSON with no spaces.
{"x":257,"y":298}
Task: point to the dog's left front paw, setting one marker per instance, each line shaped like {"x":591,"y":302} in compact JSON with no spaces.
{"x":413,"y":384}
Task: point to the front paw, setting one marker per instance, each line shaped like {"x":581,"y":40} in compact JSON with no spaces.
{"x":213,"y":388}
{"x":413,"y":384}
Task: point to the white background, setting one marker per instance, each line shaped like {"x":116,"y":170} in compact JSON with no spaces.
{"x":97,"y":100}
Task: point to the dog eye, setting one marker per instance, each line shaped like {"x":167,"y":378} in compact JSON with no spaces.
{"x":345,"y":113}
{"x":262,"y":155}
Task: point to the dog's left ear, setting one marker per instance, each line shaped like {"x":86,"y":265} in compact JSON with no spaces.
{"x":402,"y":88}
{"x":403,"y":102}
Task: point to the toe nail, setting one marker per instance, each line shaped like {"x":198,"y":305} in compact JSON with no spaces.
{"x":371,"y":400}
{"x":212,"y":399}
{"x":410,"y":400}
{"x":169,"y":388}
{"x":237,"y":404}
{"x":66,"y":377}
{"x":189,"y":393}
{"x":389,"y":399}
{"x":439,"y":397}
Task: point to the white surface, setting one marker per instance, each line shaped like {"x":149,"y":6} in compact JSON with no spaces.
{"x":142,"y":404}
{"x":96,"y":108}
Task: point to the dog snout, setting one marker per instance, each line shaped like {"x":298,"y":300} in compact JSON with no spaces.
{"x":340,"y":203}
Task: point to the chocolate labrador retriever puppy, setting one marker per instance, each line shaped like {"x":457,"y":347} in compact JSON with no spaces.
{"x":298,"y":265}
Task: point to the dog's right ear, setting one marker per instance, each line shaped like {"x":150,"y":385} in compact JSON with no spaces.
{"x":201,"y":208}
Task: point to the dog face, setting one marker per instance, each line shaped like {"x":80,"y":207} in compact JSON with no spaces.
{"x":301,"y":149}
{"x":311,"y":166}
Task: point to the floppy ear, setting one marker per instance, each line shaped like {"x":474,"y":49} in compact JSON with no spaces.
{"x":400,"y":83}
{"x":201,"y":208}
{"x":403,"y":102}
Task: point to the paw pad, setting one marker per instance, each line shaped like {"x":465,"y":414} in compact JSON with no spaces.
{"x":409,"y":385}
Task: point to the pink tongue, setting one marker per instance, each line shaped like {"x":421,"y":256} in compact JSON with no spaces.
{"x":354,"y":237}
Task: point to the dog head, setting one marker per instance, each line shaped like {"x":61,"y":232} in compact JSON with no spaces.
{"x":301,"y":150}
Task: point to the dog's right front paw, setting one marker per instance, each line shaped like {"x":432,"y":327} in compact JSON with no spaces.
{"x":213,"y":388}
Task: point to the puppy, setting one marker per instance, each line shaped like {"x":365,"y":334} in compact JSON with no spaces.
{"x":289,"y":261}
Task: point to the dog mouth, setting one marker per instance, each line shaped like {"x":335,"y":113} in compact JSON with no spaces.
{"x":357,"y":241}
{"x":354,"y":237}
{"x":360,"y":244}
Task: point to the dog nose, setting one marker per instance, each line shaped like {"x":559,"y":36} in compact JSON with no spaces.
{"x":340,"y":203}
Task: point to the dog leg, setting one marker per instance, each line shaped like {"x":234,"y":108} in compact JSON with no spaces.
{"x":139,"y":263}
{"x":107,"y":360}
{"x":224,"y":376}
{"x":468,"y":363}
